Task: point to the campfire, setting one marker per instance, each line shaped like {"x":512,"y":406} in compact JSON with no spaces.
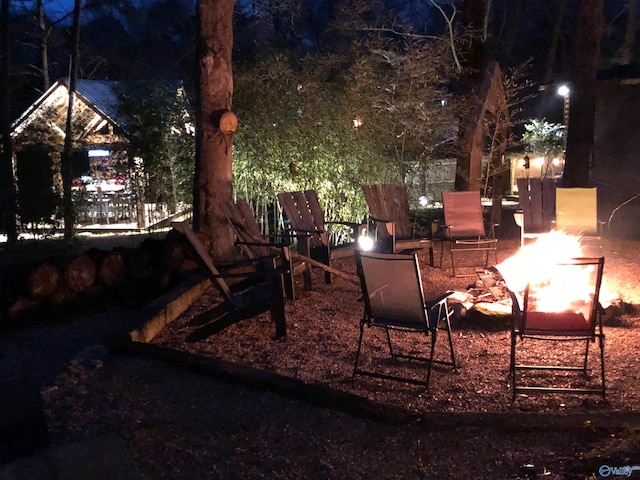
{"x":539,"y":264}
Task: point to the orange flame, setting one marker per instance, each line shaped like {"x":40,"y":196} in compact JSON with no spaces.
{"x":557,"y":289}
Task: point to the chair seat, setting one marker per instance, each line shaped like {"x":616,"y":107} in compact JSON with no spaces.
{"x":560,"y":323}
{"x":420,"y":325}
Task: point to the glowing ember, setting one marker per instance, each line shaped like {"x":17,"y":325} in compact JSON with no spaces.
{"x":554,"y":287}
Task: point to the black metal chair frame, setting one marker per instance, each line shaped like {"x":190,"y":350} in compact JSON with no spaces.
{"x":482,"y":240}
{"x":434,"y":314}
{"x":520,"y":331}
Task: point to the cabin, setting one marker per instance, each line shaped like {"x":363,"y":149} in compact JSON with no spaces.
{"x":108,"y":189}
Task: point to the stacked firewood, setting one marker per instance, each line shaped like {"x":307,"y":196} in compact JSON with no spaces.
{"x":127,"y":277}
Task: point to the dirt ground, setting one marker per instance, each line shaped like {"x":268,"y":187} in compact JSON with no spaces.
{"x":181,"y":422}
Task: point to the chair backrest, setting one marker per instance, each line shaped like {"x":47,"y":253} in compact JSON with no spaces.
{"x":245,"y":226}
{"x":304,"y":213}
{"x":204,"y":259}
{"x":389,"y":202}
{"x":565,"y":302}
{"x":392,"y":288}
{"x":463,"y":214}
{"x":577,"y":210}
{"x":537,"y":197}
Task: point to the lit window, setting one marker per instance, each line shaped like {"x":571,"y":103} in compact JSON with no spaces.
{"x":98,"y":152}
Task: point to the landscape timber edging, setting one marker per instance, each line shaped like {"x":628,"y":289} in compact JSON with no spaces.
{"x":166,"y":308}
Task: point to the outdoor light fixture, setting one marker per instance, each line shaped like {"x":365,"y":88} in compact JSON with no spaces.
{"x":563,"y":90}
{"x":365,"y":242}
{"x":526,"y":163}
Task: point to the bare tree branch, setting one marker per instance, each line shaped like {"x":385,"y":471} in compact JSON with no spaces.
{"x":449,"y":21}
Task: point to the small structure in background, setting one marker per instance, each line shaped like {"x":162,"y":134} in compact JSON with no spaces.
{"x":109,"y":182}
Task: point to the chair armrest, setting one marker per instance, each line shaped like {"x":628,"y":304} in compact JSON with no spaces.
{"x":355,"y":226}
{"x":383,"y":220}
{"x":264,"y":244}
{"x":515,"y":303}
{"x":308,"y":233}
{"x":390,"y":225}
{"x":516,"y":313}
{"x":348,"y":224}
{"x":438,"y":300}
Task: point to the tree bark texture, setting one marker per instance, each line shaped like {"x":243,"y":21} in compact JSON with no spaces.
{"x":213,"y":177}
{"x":580,"y":136}
{"x":555,"y":39}
{"x":8,"y":207}
{"x":630,"y":33}
{"x":67,"y":201}
{"x":44,"y":45}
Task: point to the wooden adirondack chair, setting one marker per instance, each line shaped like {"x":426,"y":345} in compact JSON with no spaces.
{"x":307,"y":224}
{"x":537,"y":199}
{"x":264,"y":292}
{"x":389,"y":209}
{"x":255,"y":246}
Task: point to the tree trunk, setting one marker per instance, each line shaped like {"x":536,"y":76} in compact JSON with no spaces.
{"x":580,"y":136}
{"x":67,"y":201}
{"x":555,"y":39}
{"x":7,"y":184}
{"x":213,"y":178}
{"x":513,"y":26}
{"x":469,"y":161}
{"x":630,"y":33}
{"x":44,"y":45}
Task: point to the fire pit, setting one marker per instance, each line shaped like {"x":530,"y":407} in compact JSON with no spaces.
{"x":537,"y":264}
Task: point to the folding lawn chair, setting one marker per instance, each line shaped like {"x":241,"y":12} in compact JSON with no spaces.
{"x":577,"y":214}
{"x":394,"y":300}
{"x":465,"y":229}
{"x":537,"y":316}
